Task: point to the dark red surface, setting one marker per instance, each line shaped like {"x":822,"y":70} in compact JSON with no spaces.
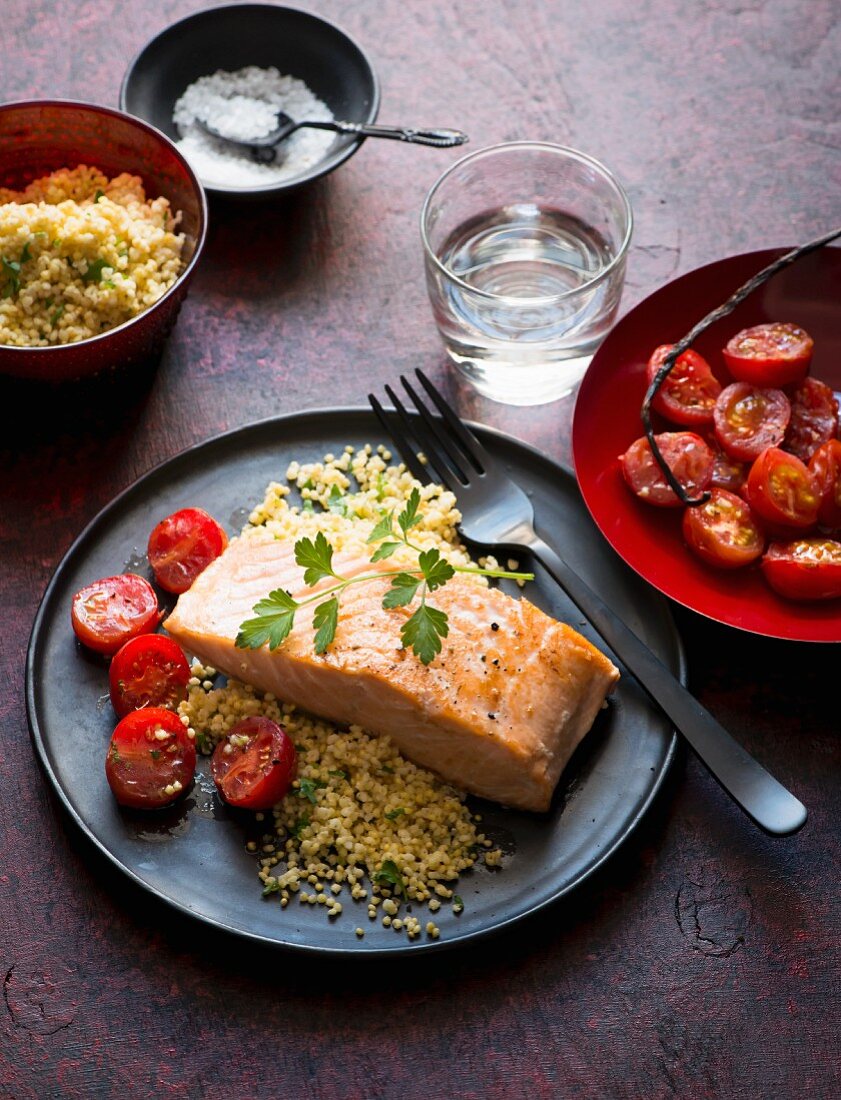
{"x":703,"y":961}
{"x":649,"y":539}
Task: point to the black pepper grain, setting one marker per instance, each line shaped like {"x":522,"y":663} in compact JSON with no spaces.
{"x":494,"y":626}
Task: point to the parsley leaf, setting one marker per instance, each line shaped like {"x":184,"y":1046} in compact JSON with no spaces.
{"x":392,"y":815}
{"x":11,"y":269}
{"x":94,"y":271}
{"x":383,"y":551}
{"x":203,"y":743}
{"x":308,"y":787}
{"x":436,"y":570}
{"x":390,"y":874}
{"x":57,"y":314}
{"x":337,"y":502}
{"x":383,"y":529}
{"x":339,"y":774}
{"x":99,"y":195}
{"x":271,"y":888}
{"x":275,"y":616}
{"x":403,"y":589}
{"x":423,"y":632}
{"x":300,"y":825}
{"x":324,"y":622}
{"x":316,"y":558}
{"x":409,"y":517}
{"x":458,"y":904}
{"x":26,"y":255}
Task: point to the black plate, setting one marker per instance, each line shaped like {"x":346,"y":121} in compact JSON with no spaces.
{"x":193,"y":856}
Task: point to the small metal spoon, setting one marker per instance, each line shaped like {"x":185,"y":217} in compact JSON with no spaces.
{"x":264,"y":149}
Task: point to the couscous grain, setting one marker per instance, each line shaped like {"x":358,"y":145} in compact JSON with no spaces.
{"x":81,"y":254}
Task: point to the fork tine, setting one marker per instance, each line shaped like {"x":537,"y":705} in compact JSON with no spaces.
{"x":443,"y":440}
{"x":447,"y":472}
{"x":401,"y":441}
{"x":471,"y":446}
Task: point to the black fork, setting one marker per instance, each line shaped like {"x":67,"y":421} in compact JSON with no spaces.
{"x":496,"y":512}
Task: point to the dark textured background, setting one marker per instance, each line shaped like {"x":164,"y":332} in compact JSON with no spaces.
{"x":703,"y":961}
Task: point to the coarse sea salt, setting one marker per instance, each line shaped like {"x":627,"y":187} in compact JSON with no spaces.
{"x":244,"y":105}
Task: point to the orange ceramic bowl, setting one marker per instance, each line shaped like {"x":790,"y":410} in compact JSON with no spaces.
{"x":40,"y":136}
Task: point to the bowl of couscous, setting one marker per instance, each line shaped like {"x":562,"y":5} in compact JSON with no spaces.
{"x":102,"y":222}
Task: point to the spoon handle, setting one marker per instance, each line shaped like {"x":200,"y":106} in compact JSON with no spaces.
{"x":443,"y":139}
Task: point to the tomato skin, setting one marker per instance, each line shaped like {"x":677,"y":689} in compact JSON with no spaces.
{"x":107,"y":613}
{"x":183,"y":545}
{"x":814,"y":418}
{"x":782,"y":491}
{"x":150,"y":670}
{"x":749,"y":419}
{"x":141,"y":765}
{"x":774,"y":354}
{"x":688,"y":457}
{"x":825,"y":465}
{"x":689,"y":393}
{"x":723,"y":531}
{"x":806,"y":569}
{"x":728,"y":473}
{"x":253,"y":767}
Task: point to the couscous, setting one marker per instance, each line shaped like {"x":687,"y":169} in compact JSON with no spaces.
{"x":81,"y":254}
{"x":361,"y":820}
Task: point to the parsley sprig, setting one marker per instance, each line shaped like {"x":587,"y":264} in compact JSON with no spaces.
{"x":11,"y":270}
{"x":422,"y":632}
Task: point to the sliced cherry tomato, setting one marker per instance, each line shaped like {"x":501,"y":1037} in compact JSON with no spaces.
{"x":253,"y":767}
{"x":728,"y":473}
{"x":825,"y":464}
{"x":774,"y":354}
{"x":108,"y":612}
{"x":688,"y":457}
{"x":781,"y":490}
{"x":748,"y":419}
{"x":807,"y":569}
{"x":148,"y":671}
{"x":723,"y":532}
{"x":182,"y":546}
{"x":151,"y":760}
{"x":689,"y":392}
{"x":814,"y":418}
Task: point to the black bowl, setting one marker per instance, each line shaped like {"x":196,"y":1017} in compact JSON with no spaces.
{"x":236,"y":35}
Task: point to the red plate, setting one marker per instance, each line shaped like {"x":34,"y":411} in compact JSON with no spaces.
{"x":607,"y":421}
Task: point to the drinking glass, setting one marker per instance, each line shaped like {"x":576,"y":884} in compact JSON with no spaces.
{"x":524,"y":247}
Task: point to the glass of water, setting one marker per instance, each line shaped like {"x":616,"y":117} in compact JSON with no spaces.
{"x":525,"y":247}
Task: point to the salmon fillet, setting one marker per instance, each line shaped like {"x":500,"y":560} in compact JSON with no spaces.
{"x":498,"y":713}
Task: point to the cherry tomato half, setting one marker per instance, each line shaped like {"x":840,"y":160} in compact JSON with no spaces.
{"x":728,"y":473}
{"x":808,"y":569}
{"x":814,"y":418}
{"x":253,"y":767}
{"x":688,"y":457}
{"x":148,"y":671}
{"x":108,"y":612}
{"x":782,"y":491}
{"x":151,"y":760}
{"x":689,"y":392}
{"x":723,"y":532}
{"x":774,"y":354}
{"x":748,"y":419}
{"x":825,"y":464}
{"x":182,"y":546}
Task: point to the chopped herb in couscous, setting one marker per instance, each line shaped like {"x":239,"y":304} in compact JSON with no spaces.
{"x":81,"y":254}
{"x":360,"y":820}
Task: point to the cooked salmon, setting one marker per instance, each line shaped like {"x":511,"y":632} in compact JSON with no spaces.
{"x":498,"y":712}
